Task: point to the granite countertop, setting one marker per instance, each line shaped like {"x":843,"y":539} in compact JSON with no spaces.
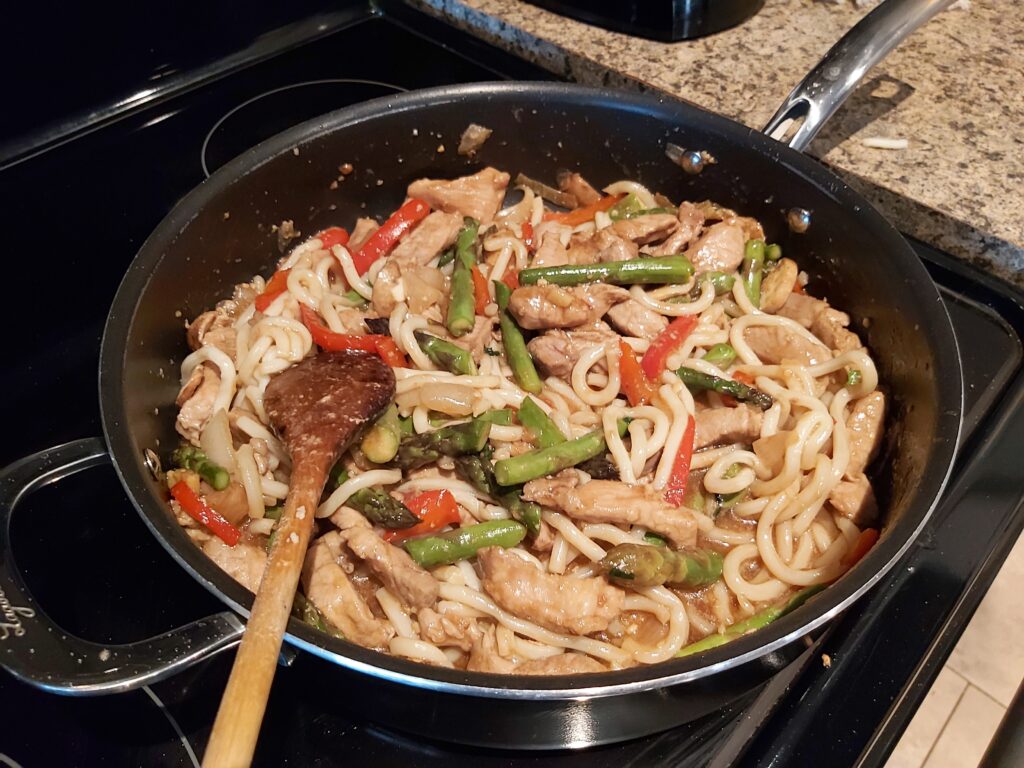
{"x":953,"y":90}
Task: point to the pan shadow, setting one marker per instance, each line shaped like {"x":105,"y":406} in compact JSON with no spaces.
{"x":870,"y":102}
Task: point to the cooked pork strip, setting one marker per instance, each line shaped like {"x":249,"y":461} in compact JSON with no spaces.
{"x":328,"y":587}
{"x":609,"y":501}
{"x":557,"y":351}
{"x":243,"y":562}
{"x":864,"y":428}
{"x":721,"y":426}
{"x":560,"y":603}
{"x":399,"y":572}
{"x":775,"y":344}
{"x":551,"y":306}
{"x":478,"y":196}
{"x":719,"y":249}
{"x":631,"y":318}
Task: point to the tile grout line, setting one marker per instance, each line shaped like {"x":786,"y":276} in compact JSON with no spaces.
{"x":945,"y":722}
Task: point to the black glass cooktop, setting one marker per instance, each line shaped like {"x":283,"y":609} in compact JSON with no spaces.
{"x":84,"y":207}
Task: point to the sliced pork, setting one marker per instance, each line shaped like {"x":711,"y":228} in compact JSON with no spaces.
{"x":719,"y":249}
{"x":777,"y":343}
{"x":478,"y":196}
{"x":864,"y":429}
{"x":650,"y":228}
{"x":550,"y":306}
{"x":399,"y":572}
{"x":195,"y":401}
{"x":724,"y":426}
{"x":560,"y":603}
{"x":631,"y":318}
{"x":328,"y":587}
{"x":609,"y":501}
{"x":244,"y":562}
{"x":557,"y":352}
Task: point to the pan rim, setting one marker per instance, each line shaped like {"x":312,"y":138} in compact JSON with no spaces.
{"x":750,"y":648}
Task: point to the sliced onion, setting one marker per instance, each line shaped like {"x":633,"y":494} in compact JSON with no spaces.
{"x":425,"y":287}
{"x":216,"y":442}
{"x":450,"y":399}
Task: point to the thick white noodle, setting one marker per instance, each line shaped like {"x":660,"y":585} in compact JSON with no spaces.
{"x":372,"y":479}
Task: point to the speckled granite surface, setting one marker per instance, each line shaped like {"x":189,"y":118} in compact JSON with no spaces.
{"x":955,"y":90}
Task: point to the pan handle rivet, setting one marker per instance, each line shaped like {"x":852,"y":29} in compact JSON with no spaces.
{"x":799,"y":220}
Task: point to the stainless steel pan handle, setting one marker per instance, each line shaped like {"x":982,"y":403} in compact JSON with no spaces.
{"x":34,"y":649}
{"x":826,"y":87}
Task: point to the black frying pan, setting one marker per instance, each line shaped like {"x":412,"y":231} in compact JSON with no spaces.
{"x":220,"y":234}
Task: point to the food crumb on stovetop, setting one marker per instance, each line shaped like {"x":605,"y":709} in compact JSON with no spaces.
{"x":826,"y":661}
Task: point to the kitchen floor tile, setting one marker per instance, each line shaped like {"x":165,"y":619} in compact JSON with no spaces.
{"x":990,"y":654}
{"x":965,"y":738}
{"x":928,"y":721}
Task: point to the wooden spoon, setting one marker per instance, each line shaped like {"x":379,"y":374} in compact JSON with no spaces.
{"x":317,"y":408}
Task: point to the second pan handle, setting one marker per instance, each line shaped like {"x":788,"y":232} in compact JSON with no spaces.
{"x":826,"y":87}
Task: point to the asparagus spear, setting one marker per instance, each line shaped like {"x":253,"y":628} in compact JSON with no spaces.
{"x":643,"y":565}
{"x":752,"y":268}
{"x":540,"y":425}
{"x":382,"y":508}
{"x":720,"y":355}
{"x":450,"y":357}
{"x":757,"y":621}
{"x":500,"y":417}
{"x":653,"y":270}
{"x":189,"y":457}
{"x":476,"y":470}
{"x":380,"y":444}
{"x":773,"y":252}
{"x":461,"y":304}
{"x":547,"y":461}
{"x":456,"y":440}
{"x":516,"y":353}
{"x":462,"y":543}
{"x":697,"y":381}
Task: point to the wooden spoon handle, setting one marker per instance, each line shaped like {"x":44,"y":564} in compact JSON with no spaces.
{"x":236,"y":729}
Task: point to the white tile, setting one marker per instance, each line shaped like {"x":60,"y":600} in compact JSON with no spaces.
{"x":990,"y":654}
{"x":928,"y":721}
{"x":970,"y":728}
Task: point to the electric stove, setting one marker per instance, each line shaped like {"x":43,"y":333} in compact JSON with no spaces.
{"x":79,"y":207}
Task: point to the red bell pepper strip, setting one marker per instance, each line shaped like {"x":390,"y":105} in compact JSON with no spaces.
{"x":390,"y":353}
{"x":867,"y":539}
{"x":582,"y":215}
{"x":327,"y":339}
{"x":390,"y":232}
{"x":638,"y":389}
{"x":201,"y":512}
{"x":667,"y":342}
{"x":798,"y":288}
{"x":511,"y":279}
{"x":435,"y":509}
{"x":332,"y":236}
{"x":481,"y":296}
{"x":527,"y":230}
{"x":675,"y":488}
{"x":276,"y":285}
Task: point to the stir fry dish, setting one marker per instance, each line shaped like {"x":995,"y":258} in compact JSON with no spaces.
{"x":622,"y":430}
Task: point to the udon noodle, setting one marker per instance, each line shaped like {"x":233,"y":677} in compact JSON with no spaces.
{"x":728,"y":418}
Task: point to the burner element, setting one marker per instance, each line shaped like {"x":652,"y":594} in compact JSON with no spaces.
{"x":268,"y":114}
